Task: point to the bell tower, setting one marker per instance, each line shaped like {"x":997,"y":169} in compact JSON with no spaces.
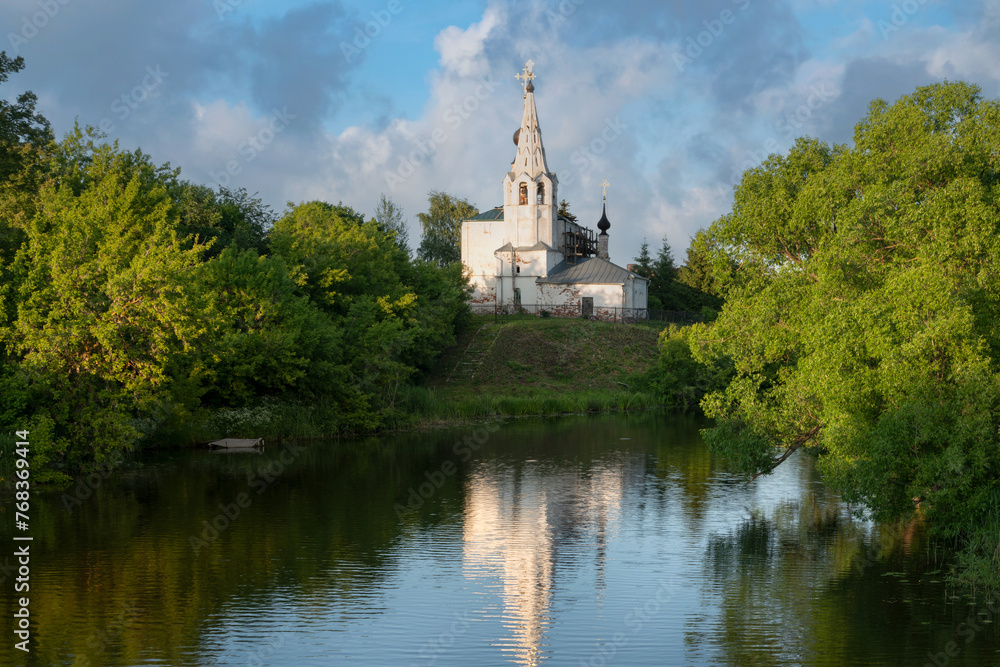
{"x":530,"y":189}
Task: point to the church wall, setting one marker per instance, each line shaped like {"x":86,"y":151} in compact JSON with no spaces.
{"x":551,"y":259}
{"x":499,"y":290}
{"x":566,"y":299}
{"x":484,"y":289}
{"x":533,"y":263}
{"x":638,"y":297}
{"x":559,"y":299}
{"x":635,"y":294}
{"x":532,"y":223}
{"x":605,"y":296}
{"x":479,"y":240}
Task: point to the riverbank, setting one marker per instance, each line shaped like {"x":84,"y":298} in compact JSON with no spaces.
{"x":527,"y":366}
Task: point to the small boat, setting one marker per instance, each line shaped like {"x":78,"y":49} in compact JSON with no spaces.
{"x":237,"y":444}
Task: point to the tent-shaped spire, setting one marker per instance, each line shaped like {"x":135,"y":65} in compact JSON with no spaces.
{"x":530,"y":156}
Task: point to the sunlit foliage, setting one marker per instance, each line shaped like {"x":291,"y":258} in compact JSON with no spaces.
{"x":861,"y":317}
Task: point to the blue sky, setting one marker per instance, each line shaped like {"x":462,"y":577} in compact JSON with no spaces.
{"x":670,"y":101}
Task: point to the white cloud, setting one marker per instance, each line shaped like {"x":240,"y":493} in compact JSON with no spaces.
{"x":462,"y":51}
{"x":598,"y":65}
{"x":460,"y":141}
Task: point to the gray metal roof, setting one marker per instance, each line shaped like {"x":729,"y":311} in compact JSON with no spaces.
{"x":491,"y":214}
{"x":497,"y":214}
{"x":506,"y":247}
{"x":589,"y":270}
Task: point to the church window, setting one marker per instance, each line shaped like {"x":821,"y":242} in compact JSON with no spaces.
{"x":524,"y":193}
{"x":541,"y":193}
{"x":517,"y":296}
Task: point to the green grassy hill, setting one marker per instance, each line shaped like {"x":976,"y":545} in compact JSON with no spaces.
{"x":533,"y":356}
{"x":527,"y":366}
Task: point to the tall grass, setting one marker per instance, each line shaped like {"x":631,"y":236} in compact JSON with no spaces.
{"x":978,"y":562}
{"x":428,"y":404}
{"x":271,"y":418}
{"x":419,"y":406}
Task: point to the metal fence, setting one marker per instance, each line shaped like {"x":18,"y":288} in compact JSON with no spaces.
{"x":503,"y":312}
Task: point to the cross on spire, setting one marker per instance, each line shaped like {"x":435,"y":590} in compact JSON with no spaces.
{"x":526,"y":76}
{"x":604,"y":187}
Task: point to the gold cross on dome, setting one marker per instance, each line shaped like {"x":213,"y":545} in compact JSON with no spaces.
{"x":526,"y":75}
{"x":604,"y":186}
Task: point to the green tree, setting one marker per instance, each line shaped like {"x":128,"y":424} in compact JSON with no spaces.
{"x":661,"y":283}
{"x":103,"y":305}
{"x":21,"y":126}
{"x":390,"y":220}
{"x":678,"y":378}
{"x":861,"y":319}
{"x":564,"y":211}
{"x":697,"y":283}
{"x":396,"y":315}
{"x":644,"y":262}
{"x":335,"y":258}
{"x":263,"y":337}
{"x":25,"y":141}
{"x":442,"y":228}
{"x":133,"y":300}
{"x":698,"y":270}
{"x":245,"y":219}
{"x":224,"y":218}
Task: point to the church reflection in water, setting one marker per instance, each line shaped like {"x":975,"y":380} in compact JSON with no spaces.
{"x":524,"y":522}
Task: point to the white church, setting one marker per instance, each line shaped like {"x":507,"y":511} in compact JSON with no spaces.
{"x":525,"y":254}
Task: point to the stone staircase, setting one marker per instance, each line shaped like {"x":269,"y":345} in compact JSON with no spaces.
{"x":470,"y":361}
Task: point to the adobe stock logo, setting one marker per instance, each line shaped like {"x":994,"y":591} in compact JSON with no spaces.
{"x":713,"y":29}
{"x":129,"y":101}
{"x":566,"y":9}
{"x":901,"y":15}
{"x":464,"y":450}
{"x":363,"y":35}
{"x":31,"y":26}
{"x":788,"y":126}
{"x":455,"y":115}
{"x":253,"y":146}
{"x":223,"y":7}
{"x":586,"y":156}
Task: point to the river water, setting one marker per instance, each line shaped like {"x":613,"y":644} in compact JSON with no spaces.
{"x":612,"y":540}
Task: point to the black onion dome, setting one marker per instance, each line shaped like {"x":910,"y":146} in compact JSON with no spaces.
{"x":531,"y":86}
{"x":517,"y":135}
{"x":604,"y":224}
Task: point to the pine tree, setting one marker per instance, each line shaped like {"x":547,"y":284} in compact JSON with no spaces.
{"x":564,"y":211}
{"x":644,"y":262}
{"x":697,"y":275}
{"x":661,"y":284}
